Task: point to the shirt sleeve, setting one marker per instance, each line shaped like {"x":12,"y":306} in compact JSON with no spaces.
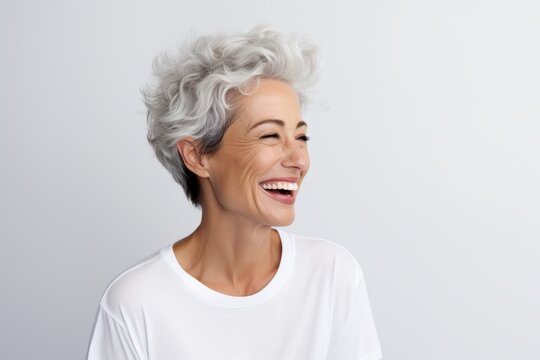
{"x":110,"y":340}
{"x":359,"y":340}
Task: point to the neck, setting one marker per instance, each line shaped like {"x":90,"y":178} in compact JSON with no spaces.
{"x":229,"y":253}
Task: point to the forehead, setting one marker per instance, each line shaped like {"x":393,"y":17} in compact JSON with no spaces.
{"x":271,"y":99}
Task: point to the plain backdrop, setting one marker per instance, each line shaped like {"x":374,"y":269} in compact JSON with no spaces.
{"x":425,"y":165}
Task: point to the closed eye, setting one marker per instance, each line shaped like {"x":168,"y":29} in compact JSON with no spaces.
{"x":304,"y":138}
{"x":270,"y":136}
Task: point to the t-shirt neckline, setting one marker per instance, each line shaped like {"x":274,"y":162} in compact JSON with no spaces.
{"x":230,"y":301}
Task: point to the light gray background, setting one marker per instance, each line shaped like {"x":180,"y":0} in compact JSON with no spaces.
{"x":425,"y":166}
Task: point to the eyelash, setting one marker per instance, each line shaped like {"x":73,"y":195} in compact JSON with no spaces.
{"x":304,"y":138}
{"x":272,"y":135}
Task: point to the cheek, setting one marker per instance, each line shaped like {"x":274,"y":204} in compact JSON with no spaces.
{"x":252,"y":158}
{"x":252,"y":169}
{"x":241,"y":165}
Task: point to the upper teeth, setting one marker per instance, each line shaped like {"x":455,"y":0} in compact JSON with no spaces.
{"x":280,"y":186}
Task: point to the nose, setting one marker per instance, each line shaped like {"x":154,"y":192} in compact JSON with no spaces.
{"x":296,"y":155}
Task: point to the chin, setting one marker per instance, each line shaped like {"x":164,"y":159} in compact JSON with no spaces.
{"x":282,"y":220}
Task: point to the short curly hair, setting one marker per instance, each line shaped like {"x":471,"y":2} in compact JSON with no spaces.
{"x":196,"y":88}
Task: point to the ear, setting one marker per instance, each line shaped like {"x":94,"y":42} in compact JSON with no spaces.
{"x":188,"y":148}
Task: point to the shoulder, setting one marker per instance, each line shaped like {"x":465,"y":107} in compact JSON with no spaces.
{"x":315,"y":252}
{"x":133,"y":285}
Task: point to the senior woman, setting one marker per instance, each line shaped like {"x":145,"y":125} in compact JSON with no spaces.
{"x":225,"y":119}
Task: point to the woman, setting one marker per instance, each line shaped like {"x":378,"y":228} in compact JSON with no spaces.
{"x":225,"y":119}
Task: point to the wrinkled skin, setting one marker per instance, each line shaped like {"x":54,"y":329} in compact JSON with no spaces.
{"x":250,"y":154}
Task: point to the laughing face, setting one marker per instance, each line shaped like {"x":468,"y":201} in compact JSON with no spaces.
{"x":257,"y":170}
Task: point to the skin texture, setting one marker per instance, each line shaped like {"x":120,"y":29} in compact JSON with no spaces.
{"x":234,"y":250}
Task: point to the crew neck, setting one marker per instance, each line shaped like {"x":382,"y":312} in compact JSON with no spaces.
{"x":229,"y":301}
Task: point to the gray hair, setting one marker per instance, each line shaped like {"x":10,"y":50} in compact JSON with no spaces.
{"x":195,"y":90}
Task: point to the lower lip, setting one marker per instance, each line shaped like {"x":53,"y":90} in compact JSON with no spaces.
{"x":285,"y":199}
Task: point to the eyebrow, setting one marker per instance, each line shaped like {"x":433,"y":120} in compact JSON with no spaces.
{"x":278,"y":122}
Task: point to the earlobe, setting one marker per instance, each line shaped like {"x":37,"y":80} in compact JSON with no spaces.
{"x":188,"y":148}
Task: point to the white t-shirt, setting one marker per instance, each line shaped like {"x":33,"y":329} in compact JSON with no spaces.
{"x":315,"y":307}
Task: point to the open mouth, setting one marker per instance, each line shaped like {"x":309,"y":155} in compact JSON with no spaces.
{"x":280,"y":188}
